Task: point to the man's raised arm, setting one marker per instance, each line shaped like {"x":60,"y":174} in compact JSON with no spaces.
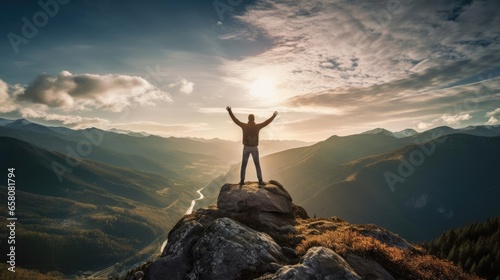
{"x":235,"y":120}
{"x":268,"y":121}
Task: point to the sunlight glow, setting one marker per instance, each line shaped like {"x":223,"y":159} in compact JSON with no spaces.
{"x":263,"y":87}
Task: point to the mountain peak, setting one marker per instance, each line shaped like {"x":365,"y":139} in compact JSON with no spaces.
{"x":129,"y":132}
{"x":376,"y":131}
{"x":256,"y":232}
{"x":20,"y":122}
{"x":4,"y":122}
{"x":398,"y":134}
{"x":24,"y":124}
{"x":405,"y":133}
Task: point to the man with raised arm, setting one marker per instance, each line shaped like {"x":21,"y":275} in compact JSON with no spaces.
{"x":250,"y":142}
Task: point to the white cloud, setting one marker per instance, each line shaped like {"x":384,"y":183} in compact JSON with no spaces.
{"x":423,"y":125}
{"x":493,"y":113}
{"x":445,"y":120}
{"x":8,"y":94}
{"x":111,"y":92}
{"x":46,"y":97}
{"x":455,"y":119}
{"x":241,"y":34}
{"x":493,"y":121}
{"x":381,"y":105}
{"x":75,"y":121}
{"x":184,"y":86}
{"x":5,"y":100}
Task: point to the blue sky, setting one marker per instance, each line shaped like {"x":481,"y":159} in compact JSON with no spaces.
{"x":328,"y":67}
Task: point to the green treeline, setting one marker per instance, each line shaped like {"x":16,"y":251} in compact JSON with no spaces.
{"x":475,"y":247}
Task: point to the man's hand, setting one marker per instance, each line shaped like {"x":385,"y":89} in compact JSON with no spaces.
{"x":228,"y":109}
{"x":275,"y":113}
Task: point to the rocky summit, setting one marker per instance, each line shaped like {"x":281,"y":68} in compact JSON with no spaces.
{"x":256,"y":232}
{"x":252,"y":196}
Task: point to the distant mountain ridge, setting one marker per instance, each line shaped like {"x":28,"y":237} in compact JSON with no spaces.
{"x":398,"y":134}
{"x":131,"y":133}
{"x":417,"y":186}
{"x":216,"y":149}
{"x":478,"y":130}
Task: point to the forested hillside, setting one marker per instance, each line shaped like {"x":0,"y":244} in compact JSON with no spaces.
{"x":475,"y":247}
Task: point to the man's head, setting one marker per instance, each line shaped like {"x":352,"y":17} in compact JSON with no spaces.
{"x":251,"y":118}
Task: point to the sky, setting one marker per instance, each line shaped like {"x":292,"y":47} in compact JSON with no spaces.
{"x":329,"y":67}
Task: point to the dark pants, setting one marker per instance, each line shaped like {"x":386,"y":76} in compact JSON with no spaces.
{"x":247,"y":151}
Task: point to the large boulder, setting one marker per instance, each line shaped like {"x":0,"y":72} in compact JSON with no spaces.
{"x":319,"y":263}
{"x":230,"y":250}
{"x":368,"y":268}
{"x":224,"y":249}
{"x":177,"y":255}
{"x":251,"y":196}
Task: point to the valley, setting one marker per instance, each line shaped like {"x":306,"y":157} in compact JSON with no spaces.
{"x":119,"y":198}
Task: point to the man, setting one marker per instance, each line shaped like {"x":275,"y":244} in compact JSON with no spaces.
{"x":250,"y":142}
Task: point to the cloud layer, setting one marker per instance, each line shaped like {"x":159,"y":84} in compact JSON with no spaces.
{"x":377,"y":62}
{"x":63,"y":97}
{"x":183,"y":85}
{"x":494,"y":117}
{"x":8,"y":95}
{"x":89,"y":91}
{"x":321,"y":45}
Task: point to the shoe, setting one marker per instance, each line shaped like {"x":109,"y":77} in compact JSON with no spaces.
{"x":241,"y":183}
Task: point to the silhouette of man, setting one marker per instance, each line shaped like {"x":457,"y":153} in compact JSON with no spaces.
{"x":250,"y":142}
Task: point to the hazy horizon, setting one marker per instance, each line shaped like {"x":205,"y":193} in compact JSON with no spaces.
{"x":124,"y":131}
{"x":171,"y":68}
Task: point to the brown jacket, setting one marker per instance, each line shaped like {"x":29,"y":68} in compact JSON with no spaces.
{"x":251,"y":130}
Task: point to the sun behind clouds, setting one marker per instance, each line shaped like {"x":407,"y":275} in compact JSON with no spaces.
{"x":262,"y":88}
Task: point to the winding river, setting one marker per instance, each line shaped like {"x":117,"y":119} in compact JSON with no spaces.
{"x":193,"y":202}
{"x":189,"y":211}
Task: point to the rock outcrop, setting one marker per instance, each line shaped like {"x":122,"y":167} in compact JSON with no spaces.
{"x":258,"y":233}
{"x":252,"y":196}
{"x":230,"y":250}
{"x":317,"y":263}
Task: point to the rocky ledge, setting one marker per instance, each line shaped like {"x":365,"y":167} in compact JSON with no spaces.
{"x":256,"y":232}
